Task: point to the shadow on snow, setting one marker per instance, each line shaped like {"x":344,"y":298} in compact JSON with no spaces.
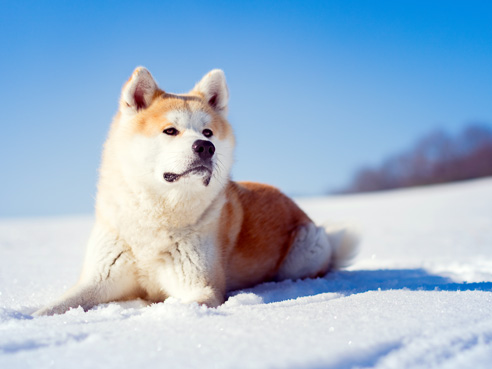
{"x":360,"y":281}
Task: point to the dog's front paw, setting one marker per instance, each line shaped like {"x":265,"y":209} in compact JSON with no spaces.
{"x":212,"y":302}
{"x":211,"y":298}
{"x":207,"y":296}
{"x":42,"y":312}
{"x":51,"y":310}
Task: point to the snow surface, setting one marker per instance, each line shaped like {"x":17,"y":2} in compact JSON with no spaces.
{"x":418,"y":296}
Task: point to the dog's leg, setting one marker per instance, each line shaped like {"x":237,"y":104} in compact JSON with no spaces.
{"x":108,"y":274}
{"x":310,"y":254}
{"x":317,"y":249}
{"x":192,"y":272}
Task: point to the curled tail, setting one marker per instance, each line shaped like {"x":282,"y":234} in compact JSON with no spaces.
{"x":344,"y":240}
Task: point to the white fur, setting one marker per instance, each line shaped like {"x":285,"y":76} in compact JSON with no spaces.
{"x":311,"y":252}
{"x":108,"y":274}
{"x":214,"y":86}
{"x":142,"y":85}
{"x":345,"y":238}
{"x":316,"y":249}
{"x":195,"y":119}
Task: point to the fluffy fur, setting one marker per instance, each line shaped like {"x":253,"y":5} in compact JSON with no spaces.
{"x":170,"y":222}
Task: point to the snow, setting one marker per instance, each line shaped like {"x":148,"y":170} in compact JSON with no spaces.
{"x":418,"y":296}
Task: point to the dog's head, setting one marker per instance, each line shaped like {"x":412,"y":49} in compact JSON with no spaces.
{"x":173,"y":142}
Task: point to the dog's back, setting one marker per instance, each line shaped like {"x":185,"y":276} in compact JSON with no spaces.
{"x":266,"y":236}
{"x":259,"y":225}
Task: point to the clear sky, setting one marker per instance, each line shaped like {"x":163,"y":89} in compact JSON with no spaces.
{"x":318,"y":88}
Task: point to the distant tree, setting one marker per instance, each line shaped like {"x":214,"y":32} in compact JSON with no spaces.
{"x":436,"y":158}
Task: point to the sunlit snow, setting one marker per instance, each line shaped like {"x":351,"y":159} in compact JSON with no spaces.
{"x":419,"y":295}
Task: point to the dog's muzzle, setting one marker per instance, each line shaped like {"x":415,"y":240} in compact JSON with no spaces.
{"x":203,"y":164}
{"x":200,"y":170}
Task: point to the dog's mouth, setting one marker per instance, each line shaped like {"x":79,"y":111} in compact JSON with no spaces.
{"x":201,"y":170}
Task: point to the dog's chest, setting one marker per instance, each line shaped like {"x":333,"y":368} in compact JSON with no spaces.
{"x":168,"y":258}
{"x":147,"y":242}
{"x":159,"y":251}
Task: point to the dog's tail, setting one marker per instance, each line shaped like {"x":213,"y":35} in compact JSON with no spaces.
{"x":344,"y":239}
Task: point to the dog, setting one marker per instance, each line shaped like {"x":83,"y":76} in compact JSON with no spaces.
{"x":169,"y":221}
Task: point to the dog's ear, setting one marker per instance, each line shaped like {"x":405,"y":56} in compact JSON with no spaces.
{"x":138,"y":92}
{"x":213,"y":87}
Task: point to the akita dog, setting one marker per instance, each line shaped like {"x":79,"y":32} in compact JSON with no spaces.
{"x":169,"y":220}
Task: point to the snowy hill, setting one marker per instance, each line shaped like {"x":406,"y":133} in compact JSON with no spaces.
{"x":418,"y":296}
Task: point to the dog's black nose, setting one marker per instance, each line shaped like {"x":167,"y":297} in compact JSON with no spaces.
{"x":204,"y":149}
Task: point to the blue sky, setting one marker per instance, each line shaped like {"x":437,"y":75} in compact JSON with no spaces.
{"x":318,"y":88}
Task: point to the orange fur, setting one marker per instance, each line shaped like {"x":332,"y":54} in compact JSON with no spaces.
{"x":152,"y":121}
{"x":258,"y":225}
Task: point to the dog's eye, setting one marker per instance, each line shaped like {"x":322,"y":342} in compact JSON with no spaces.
{"x":171,"y":131}
{"x":207,"y":133}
